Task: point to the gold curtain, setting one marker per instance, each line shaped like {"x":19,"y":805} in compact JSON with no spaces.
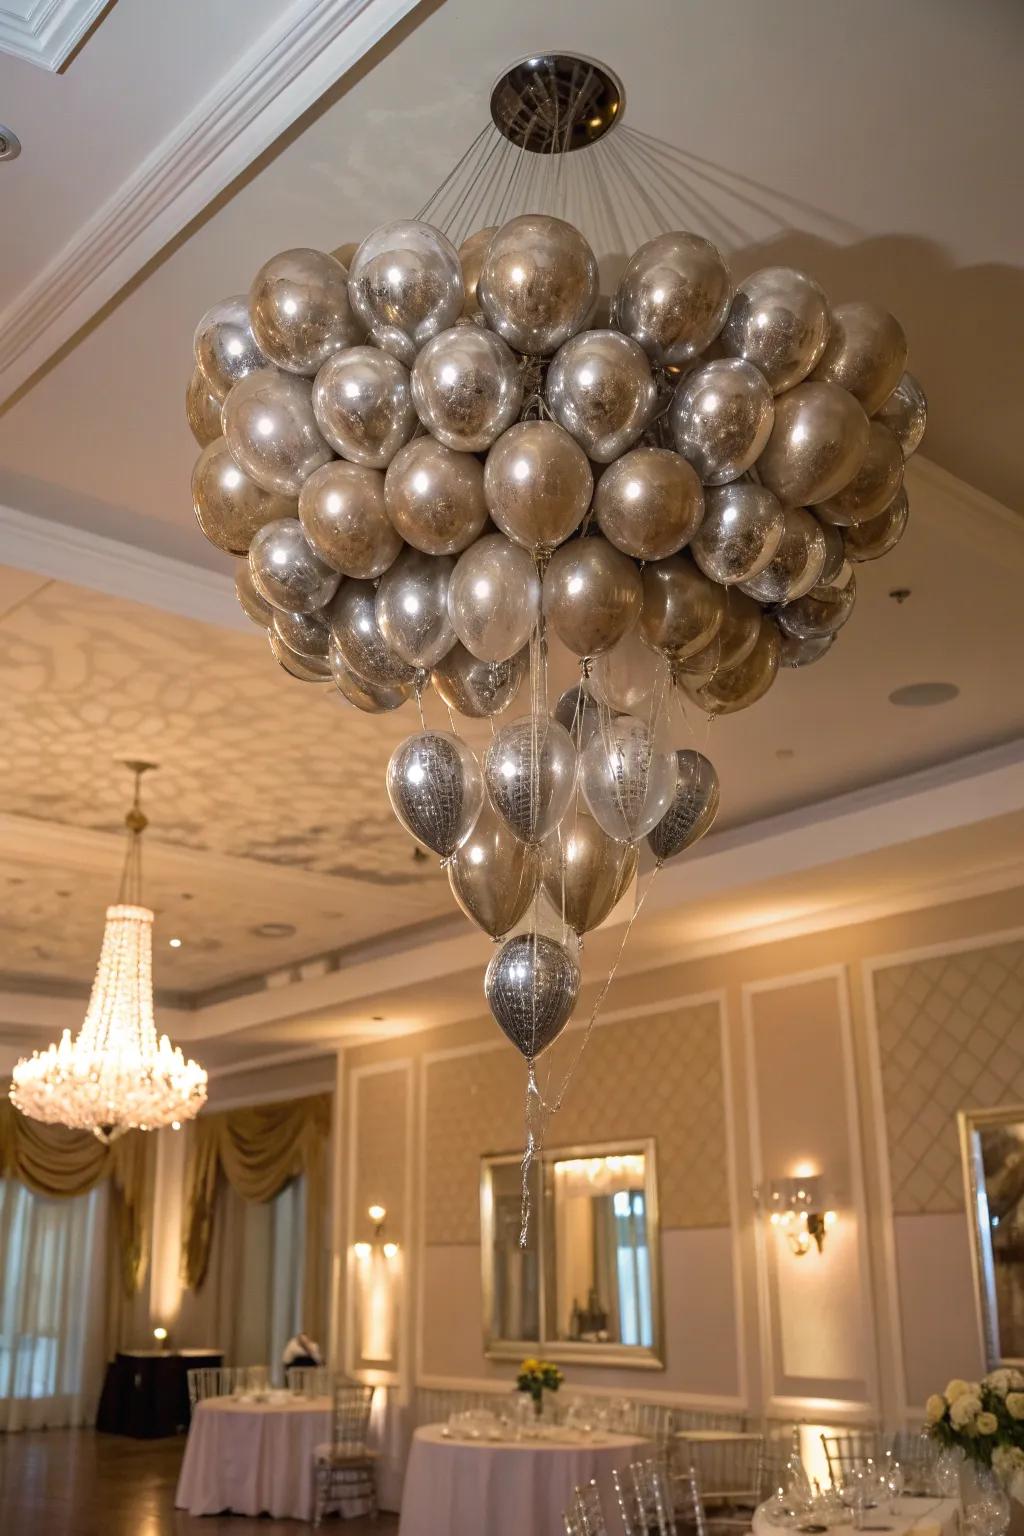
{"x":58,"y":1163}
{"x":258,"y":1149}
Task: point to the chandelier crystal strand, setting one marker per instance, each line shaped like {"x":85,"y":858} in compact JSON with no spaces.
{"x":117,"y":1074}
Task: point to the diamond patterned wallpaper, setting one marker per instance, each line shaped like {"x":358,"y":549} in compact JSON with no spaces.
{"x":383,"y":1110}
{"x":659,"y":1076}
{"x":951,"y":1037}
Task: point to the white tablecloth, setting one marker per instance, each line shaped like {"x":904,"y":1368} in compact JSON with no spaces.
{"x":253,"y":1458}
{"x":918,"y":1515}
{"x":519,"y":1488}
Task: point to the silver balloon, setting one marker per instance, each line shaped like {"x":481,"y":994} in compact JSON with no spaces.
{"x":530,"y":771}
{"x":693,"y":809}
{"x":821,"y":611}
{"x":300,"y":311}
{"x":494,"y":598}
{"x":779,"y":321}
{"x":591,"y":595}
{"x":308,"y":669}
{"x":342,"y":512}
{"x":225,"y":347}
{"x":866,"y":353}
{"x":682,"y":611}
{"x":875,"y":537}
{"x":673,"y":297}
{"x":251,"y":603}
{"x":356,"y":636}
{"x":230,"y":508}
{"x":479,"y":689}
{"x":721,"y":417}
{"x":585,"y":872}
{"x":599,"y":387}
{"x":649,"y":503}
{"x":412,"y":607}
{"x":740,"y":629}
{"x":531,"y":987}
{"x":803,"y":653}
{"x":627,"y":782}
{"x":436,"y":789}
{"x":629,"y":675}
{"x":307,"y":634}
{"x":435,"y":497}
{"x":741,"y":530}
{"x":835,"y":553}
{"x":741,"y":686}
{"x":344,"y":253}
{"x":537,"y":484}
{"x":405,"y":285}
{"x":905,"y":413}
{"x":467,"y":388}
{"x":817,"y":444}
{"x":355,"y":691}
{"x":363,"y":405}
{"x":796,"y":565}
{"x":578,"y":711}
{"x":472,"y":252}
{"x":538,"y":283}
{"x":271,"y":431}
{"x":494,"y":875}
{"x":202,"y":410}
{"x":286,"y":572}
{"x":874,"y":485}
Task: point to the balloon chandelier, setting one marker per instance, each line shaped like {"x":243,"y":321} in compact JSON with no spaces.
{"x":447,"y":465}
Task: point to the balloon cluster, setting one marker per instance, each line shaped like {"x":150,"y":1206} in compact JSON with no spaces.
{"x":433,"y":459}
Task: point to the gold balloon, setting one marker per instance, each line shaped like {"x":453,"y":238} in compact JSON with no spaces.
{"x":742,"y":528}
{"x":905,"y":413}
{"x":251,"y":603}
{"x":493,"y":876}
{"x":537,"y":484}
{"x":371,"y":698}
{"x":477,"y":688}
{"x":592,"y":595}
{"x":300,"y":312}
{"x":866,"y":353}
{"x":345,"y":253}
{"x":405,"y":285}
{"x":308,"y":669}
{"x":682,"y":610}
{"x":307,"y":634}
{"x":741,"y":686}
{"x":649,"y":503}
{"x":874,"y":485}
{"x":471,"y":254}
{"x":721,"y":415}
{"x":817,"y":444}
{"x":585,"y":872}
{"x":435,"y":497}
{"x":797,"y":563}
{"x":202,"y":410}
{"x":875,"y":537}
{"x":287,"y":572}
{"x":494,"y":598}
{"x":600,"y":389}
{"x":363,"y":405}
{"x":342,"y":512}
{"x":821,"y":611}
{"x":230,"y":508}
{"x":803,"y":653}
{"x":538,"y":283}
{"x":674,"y":296}
{"x":740,"y":629}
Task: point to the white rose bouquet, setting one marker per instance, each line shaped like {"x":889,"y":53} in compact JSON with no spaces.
{"x":985,"y":1420}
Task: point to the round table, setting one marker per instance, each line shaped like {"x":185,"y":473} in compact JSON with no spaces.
{"x":913,"y":1517}
{"x":504,"y":1488}
{"x":253,"y":1458}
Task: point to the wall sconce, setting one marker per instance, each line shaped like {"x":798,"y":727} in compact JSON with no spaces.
{"x":376,"y":1292}
{"x":160,"y":1334}
{"x":796,"y":1207}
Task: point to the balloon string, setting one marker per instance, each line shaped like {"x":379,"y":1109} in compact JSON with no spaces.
{"x":534,"y":1116}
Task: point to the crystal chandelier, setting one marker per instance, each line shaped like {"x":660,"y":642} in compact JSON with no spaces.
{"x":116,"y":1075}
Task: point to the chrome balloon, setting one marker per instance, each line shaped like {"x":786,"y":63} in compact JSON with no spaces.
{"x":435,"y":497}
{"x":741,"y":530}
{"x":693,"y":809}
{"x":467,"y":388}
{"x":271,"y":431}
{"x":649,"y":503}
{"x":875,"y":537}
{"x":285,"y":570}
{"x":591,"y":596}
{"x":578,"y":711}
{"x":779,"y":321}
{"x":477,"y":688}
{"x":225,"y":347}
{"x":599,"y":387}
{"x":821,"y":611}
{"x":405,"y":285}
{"x":866,"y":353}
{"x":874,"y":485}
{"x":803,"y":653}
{"x":251,"y":603}
{"x":627,"y":782}
{"x":628,"y":676}
{"x":741,"y":686}
{"x":538,"y":283}
{"x":531,"y":986}
{"x":740,"y":629}
{"x":300,"y":311}
{"x":471,"y":256}
{"x":436,"y":789}
{"x":493,"y":876}
{"x":230,"y":508}
{"x":307,"y":634}
{"x":357,"y":638}
{"x":673,"y":297}
{"x":835,"y":552}
{"x":412,"y":607}
{"x":370,"y":698}
{"x":796,"y":565}
{"x":530,"y":772}
{"x":202,"y":410}
{"x":682,"y":611}
{"x":537,"y":484}
{"x":308,"y":669}
{"x":494,"y":598}
{"x":363,"y":405}
{"x":905,"y":413}
{"x":341,"y":509}
{"x":585,"y":873}
{"x":817,"y":444}
{"x":721,"y":416}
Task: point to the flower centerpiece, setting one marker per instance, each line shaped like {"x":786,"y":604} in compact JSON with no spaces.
{"x":985,"y":1421}
{"x":536,"y":1377}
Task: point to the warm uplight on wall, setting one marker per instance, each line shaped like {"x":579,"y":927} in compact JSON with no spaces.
{"x":376,"y":1291}
{"x":796,"y":1206}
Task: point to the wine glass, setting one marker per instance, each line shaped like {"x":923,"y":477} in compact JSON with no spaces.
{"x":895,"y":1482}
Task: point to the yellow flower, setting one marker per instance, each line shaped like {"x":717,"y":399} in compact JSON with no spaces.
{"x":1015,"y":1405}
{"x":986,"y":1424}
{"x":957,"y":1388}
{"x":935,"y":1408}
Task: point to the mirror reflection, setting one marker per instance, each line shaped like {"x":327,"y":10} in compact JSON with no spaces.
{"x":994,"y":1163}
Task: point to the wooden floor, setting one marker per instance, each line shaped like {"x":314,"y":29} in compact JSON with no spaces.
{"x":73,"y":1482}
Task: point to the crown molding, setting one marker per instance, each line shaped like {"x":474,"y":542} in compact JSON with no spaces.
{"x":312,"y":45}
{"x":46,"y":32}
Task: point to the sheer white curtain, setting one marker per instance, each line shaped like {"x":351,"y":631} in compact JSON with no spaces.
{"x":52,"y":1306}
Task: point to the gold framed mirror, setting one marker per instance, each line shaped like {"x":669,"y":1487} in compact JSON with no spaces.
{"x":992,"y":1146}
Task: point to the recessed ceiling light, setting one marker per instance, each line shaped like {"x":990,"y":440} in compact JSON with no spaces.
{"x":174,"y":943}
{"x":10,"y":144}
{"x":273,"y":930}
{"x":923,"y":695}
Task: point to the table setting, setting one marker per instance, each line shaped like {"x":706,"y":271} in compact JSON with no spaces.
{"x":252,"y":1453}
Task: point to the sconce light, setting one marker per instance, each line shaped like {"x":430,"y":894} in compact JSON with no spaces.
{"x":796,"y":1206}
{"x":376,"y":1277}
{"x":160,"y":1334}
{"x":378,"y":1215}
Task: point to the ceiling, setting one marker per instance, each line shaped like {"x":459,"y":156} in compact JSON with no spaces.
{"x":157,"y":174}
